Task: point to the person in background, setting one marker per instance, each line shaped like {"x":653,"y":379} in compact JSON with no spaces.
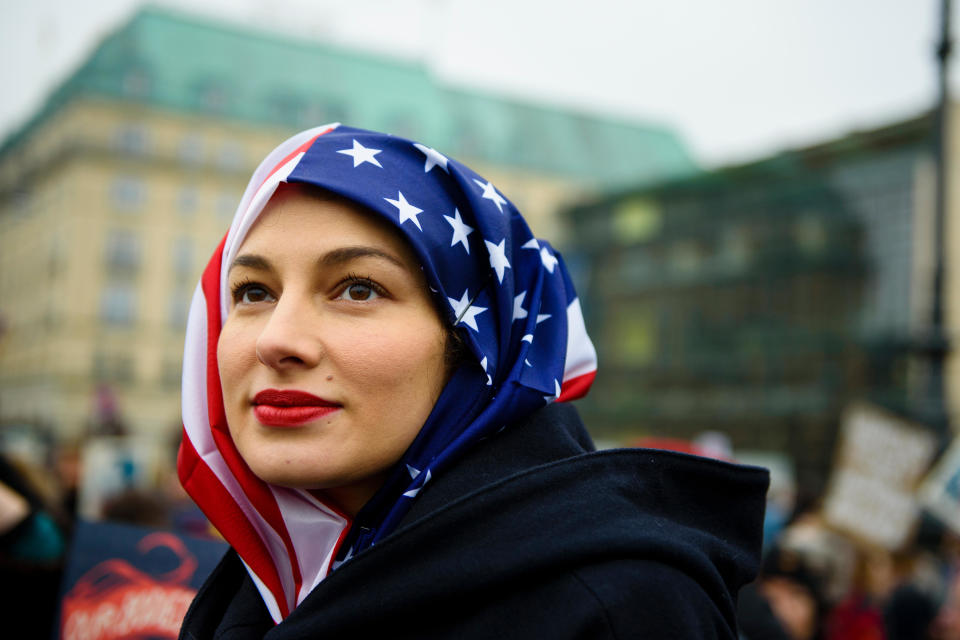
{"x":32,"y":546}
{"x":785,"y":602}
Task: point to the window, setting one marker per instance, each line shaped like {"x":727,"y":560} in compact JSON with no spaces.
{"x":170,"y":374}
{"x":51,"y":314}
{"x":637,"y":220}
{"x":230,"y":156}
{"x":468,"y":137}
{"x":112,"y":368}
{"x":213,"y":97}
{"x":122,"y":251}
{"x":21,"y":201}
{"x":633,"y":329}
{"x":187,"y":201}
{"x":685,"y":257}
{"x":404,"y":125}
{"x":128,"y":193}
{"x":735,"y":247}
{"x":131,"y":138}
{"x":118,"y":304}
{"x":136,"y":83}
{"x":57,"y":256}
{"x":190,"y":150}
{"x":638,"y":266}
{"x":286,"y":108}
{"x":227,"y":205}
{"x":810,"y":234}
{"x":182,"y":256}
{"x":318,"y":113}
{"x":179,"y":307}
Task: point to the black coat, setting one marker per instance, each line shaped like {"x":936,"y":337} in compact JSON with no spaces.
{"x":532,"y":535}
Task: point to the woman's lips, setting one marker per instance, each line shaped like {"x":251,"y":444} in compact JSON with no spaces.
{"x":277,"y":408}
{"x":274,"y":416}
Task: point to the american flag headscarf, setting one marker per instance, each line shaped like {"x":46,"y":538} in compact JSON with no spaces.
{"x":507,"y":294}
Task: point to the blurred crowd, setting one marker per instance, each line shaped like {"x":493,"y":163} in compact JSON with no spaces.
{"x":40,"y":503}
{"x":816,"y":583}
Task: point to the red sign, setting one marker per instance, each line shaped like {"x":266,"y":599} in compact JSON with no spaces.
{"x":116,"y":601}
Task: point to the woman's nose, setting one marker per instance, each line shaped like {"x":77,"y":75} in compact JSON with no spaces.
{"x":290,"y":337}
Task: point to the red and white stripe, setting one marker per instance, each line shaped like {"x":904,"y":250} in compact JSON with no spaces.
{"x":286,"y":537}
{"x":580,"y":366}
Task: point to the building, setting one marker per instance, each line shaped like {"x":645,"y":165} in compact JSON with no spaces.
{"x":113,"y":196}
{"x":760,"y":300}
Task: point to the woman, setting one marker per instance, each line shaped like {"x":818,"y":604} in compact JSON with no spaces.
{"x":375,"y":368}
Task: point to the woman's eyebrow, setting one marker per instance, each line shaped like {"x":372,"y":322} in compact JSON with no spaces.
{"x":346,"y":254}
{"x":251,"y":261}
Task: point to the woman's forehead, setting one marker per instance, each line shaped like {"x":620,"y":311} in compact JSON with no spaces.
{"x":303,"y":213}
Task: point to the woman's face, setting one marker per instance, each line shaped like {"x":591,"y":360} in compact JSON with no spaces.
{"x":332,"y":354}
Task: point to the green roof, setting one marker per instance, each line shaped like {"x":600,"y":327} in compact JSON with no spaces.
{"x":196,"y":65}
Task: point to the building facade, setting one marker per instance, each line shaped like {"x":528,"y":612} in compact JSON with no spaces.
{"x":761,"y":300}
{"x":115,"y":194}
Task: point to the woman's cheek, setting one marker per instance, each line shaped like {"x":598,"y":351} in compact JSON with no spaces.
{"x":396,"y":355}
{"x":236,"y":354}
{"x":375,"y":356}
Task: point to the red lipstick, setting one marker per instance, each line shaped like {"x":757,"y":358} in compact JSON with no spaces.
{"x":275,"y":408}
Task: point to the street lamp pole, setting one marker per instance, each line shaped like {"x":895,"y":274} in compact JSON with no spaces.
{"x":941,"y":147}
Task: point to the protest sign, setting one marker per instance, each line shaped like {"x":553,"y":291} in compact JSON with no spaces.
{"x":131,"y":583}
{"x":940,"y":492}
{"x":872,"y":492}
{"x":114,"y":464}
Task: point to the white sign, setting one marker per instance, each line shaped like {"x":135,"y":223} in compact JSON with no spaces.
{"x":940,"y":492}
{"x":872,"y":493}
{"x":114,"y":464}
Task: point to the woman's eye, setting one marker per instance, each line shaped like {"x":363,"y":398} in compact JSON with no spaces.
{"x":359,"y":292}
{"x":252,"y":293}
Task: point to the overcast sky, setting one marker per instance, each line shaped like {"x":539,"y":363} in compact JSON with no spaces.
{"x":736,"y":79}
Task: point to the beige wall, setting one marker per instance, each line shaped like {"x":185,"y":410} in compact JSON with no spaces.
{"x":58,"y":210}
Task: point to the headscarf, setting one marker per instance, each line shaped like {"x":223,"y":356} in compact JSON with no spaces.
{"x":507,"y":294}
